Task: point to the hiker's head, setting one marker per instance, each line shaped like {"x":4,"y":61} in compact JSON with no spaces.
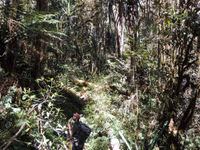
{"x":76,"y":117}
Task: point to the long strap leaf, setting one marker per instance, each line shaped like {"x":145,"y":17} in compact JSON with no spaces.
{"x":157,"y":134}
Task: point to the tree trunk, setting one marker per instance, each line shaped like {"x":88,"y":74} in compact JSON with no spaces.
{"x":119,"y":22}
{"x":198,"y":53}
{"x":134,"y":31}
{"x":42,"y":5}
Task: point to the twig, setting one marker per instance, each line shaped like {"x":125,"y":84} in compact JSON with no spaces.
{"x":125,"y":141}
{"x":41,"y":131}
{"x":18,"y":132}
{"x":12,"y":138}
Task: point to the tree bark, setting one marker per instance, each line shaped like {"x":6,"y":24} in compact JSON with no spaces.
{"x":119,"y":22}
{"x":42,"y":5}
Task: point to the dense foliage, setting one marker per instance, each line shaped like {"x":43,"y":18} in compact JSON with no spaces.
{"x":130,"y":67}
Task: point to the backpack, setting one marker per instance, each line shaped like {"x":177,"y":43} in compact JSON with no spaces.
{"x":85,"y":131}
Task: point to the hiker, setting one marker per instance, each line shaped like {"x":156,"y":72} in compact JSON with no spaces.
{"x":79,"y":133}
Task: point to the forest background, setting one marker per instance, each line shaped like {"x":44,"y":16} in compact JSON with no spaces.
{"x":130,"y":67}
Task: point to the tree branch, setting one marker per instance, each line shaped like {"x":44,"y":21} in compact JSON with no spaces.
{"x":18,"y":132}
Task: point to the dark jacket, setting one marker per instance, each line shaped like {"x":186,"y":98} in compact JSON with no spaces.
{"x":78,"y":143}
{"x":76,"y":130}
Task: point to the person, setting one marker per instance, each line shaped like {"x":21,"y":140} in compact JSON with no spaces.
{"x":78,"y":141}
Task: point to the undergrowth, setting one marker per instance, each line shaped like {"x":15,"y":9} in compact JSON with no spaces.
{"x":105,"y":102}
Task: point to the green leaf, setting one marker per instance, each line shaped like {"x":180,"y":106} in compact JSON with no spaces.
{"x":7,"y":105}
{"x":16,"y":110}
{"x":50,"y":104}
{"x":32,"y":97}
{"x":56,"y":94}
{"x":24,"y":97}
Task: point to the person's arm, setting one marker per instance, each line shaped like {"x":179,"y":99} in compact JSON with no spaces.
{"x":70,"y":130}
